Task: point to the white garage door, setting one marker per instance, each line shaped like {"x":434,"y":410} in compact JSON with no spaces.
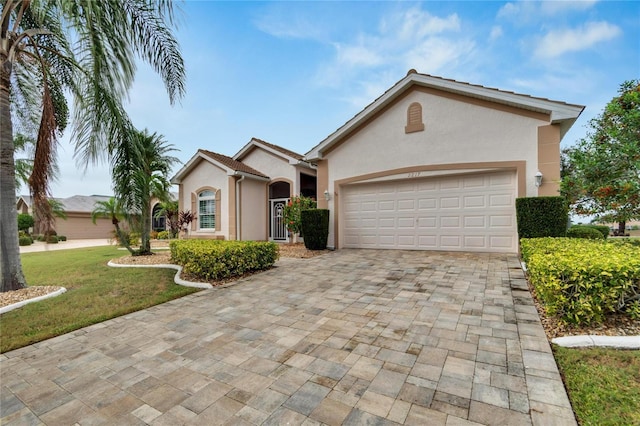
{"x":473,"y":212}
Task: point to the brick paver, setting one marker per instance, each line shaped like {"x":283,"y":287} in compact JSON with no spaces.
{"x":349,"y":337}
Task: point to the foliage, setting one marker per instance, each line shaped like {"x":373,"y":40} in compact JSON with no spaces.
{"x":292,"y":212}
{"x":541,"y":217}
{"x":25,"y":241}
{"x":25,"y":221}
{"x":170,"y":210}
{"x":62,"y":238}
{"x":315,"y":227}
{"x":139,"y":168}
{"x":163,"y":235}
{"x":603,"y":177}
{"x":95,"y":293}
{"x":581,"y":280}
{"x":112,"y":209}
{"x":52,"y":239}
{"x":85,"y":52}
{"x":603,"y":384}
{"x":216,"y":259}
{"x":185,"y":218}
{"x":584,"y":232}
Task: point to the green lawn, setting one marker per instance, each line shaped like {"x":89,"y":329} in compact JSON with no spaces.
{"x":95,"y":293}
{"x":603,"y":384}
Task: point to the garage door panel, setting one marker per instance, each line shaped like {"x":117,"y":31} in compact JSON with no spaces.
{"x":471,"y":212}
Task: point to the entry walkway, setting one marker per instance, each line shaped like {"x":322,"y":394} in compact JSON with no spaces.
{"x":350,"y":337}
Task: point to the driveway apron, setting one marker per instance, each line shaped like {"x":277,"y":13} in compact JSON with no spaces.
{"x":350,"y":337}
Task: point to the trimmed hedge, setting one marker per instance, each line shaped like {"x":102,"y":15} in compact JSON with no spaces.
{"x":542,"y":217}
{"x":215,"y":259}
{"x":163,"y":235}
{"x":25,"y":241}
{"x":584,"y":232}
{"x":315,"y":228}
{"x":581,"y":281}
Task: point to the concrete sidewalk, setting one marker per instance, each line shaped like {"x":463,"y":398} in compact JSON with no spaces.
{"x":39,"y":246}
{"x":350,"y":337}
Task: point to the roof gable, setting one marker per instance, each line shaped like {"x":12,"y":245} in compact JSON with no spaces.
{"x":231,"y":166}
{"x":559,"y":112}
{"x":286,"y":154}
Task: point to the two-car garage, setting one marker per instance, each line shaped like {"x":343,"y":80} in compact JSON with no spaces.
{"x":463,"y":212}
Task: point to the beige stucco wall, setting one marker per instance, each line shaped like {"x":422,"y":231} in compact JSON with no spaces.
{"x":455,"y":132}
{"x":253,"y":210}
{"x":205,"y":174}
{"x":80,"y":225}
{"x":271,"y":165}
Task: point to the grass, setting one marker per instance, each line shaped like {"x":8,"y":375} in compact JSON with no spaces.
{"x":603,"y":384}
{"x":95,"y":293}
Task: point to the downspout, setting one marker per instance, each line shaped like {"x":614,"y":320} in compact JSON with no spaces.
{"x":238,"y":207}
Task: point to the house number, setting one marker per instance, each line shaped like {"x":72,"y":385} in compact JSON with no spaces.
{"x":413,"y":174}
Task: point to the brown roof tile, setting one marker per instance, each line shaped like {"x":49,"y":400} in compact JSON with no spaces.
{"x":285,"y":151}
{"x":232,"y":164}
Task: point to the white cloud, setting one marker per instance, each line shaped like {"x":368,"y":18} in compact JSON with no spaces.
{"x":496,"y":33}
{"x":528,"y":10}
{"x":286,"y":23}
{"x":416,"y":24}
{"x":557,"y":42}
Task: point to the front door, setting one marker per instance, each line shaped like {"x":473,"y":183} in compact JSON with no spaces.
{"x":277,"y":225}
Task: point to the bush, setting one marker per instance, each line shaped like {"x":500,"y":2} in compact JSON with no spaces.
{"x":315,"y":228}
{"x":542,"y":217}
{"x":292,"y":212}
{"x":215,"y":259}
{"x":25,"y":221}
{"x":40,"y":237}
{"x":163,"y":235}
{"x":25,"y":241}
{"x":587,"y":232}
{"x":62,"y":238}
{"x":581,"y":281}
{"x":52,"y":239}
{"x":153,"y":235}
{"x":134,"y":238}
{"x":604,"y":230}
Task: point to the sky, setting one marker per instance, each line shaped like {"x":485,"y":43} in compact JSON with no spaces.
{"x":291,"y":73}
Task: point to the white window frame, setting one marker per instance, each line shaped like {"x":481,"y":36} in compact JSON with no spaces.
{"x":206,"y":196}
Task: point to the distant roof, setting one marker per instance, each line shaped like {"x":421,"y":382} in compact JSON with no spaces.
{"x":560,"y":112}
{"x":76,"y":203}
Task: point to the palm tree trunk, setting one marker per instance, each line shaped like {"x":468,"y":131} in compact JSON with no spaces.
{"x":145,"y":228}
{"x":10,"y":265}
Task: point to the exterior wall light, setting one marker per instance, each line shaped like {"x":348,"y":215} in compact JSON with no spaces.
{"x":538,"y":177}
{"x":327,"y":195}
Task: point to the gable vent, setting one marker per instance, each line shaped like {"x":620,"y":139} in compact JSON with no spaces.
{"x":414,"y":118}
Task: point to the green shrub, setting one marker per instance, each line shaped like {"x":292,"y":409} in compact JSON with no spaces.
{"x":315,"y":228}
{"x":25,"y":241}
{"x":153,"y":235}
{"x":39,"y":237}
{"x":134,"y":238}
{"x":587,"y":232}
{"x":581,"y":281}
{"x":542,"y":217}
{"x":292,"y":212}
{"x":62,"y":238}
{"x":52,"y":239}
{"x":215,"y":259}
{"x":604,"y":230}
{"x":25,"y":221}
{"x":163,"y":235}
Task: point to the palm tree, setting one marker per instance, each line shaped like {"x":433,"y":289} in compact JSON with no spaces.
{"x":87,"y":49}
{"x":170,"y":210}
{"x":111,"y":209}
{"x":139,"y":169}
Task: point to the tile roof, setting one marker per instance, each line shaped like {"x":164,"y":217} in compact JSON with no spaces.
{"x":278,"y":148}
{"x":232,"y":164}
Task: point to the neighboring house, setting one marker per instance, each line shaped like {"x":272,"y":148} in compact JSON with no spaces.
{"x":78,"y":210}
{"x":78,"y":224}
{"x":243,"y":197}
{"x":432,"y":164}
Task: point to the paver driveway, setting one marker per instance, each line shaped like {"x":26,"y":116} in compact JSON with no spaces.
{"x":349,"y":337}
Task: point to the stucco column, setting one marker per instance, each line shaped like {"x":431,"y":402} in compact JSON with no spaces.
{"x":548,"y":160}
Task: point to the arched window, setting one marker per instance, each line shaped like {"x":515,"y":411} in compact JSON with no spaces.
{"x":158,"y":223}
{"x":207,"y":210}
{"x":414,"y":118}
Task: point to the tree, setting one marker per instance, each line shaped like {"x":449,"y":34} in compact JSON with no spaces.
{"x":111,"y":209}
{"x":139,"y":169}
{"x":602,"y":175}
{"x":169,"y":209}
{"x":86,"y":50}
{"x":25,"y":221}
{"x":292,"y":212}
